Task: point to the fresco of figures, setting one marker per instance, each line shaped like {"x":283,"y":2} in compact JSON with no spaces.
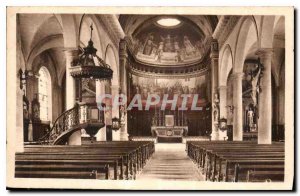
{"x":168,"y":49}
{"x":147,"y":86}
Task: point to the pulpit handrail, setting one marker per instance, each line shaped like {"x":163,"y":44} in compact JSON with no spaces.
{"x":46,"y":137}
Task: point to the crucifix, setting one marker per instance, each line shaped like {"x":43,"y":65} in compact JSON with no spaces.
{"x":91,"y":30}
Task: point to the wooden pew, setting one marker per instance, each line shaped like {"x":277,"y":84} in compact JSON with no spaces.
{"x":240,"y":157}
{"x":74,"y":160}
{"x":89,"y":160}
{"x":122,"y":156}
{"x":265,"y":176}
{"x":135,"y":159}
{"x":60,"y":171}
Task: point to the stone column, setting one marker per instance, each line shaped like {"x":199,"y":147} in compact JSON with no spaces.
{"x":214,"y":86}
{"x":19,"y":141}
{"x":108,"y":113}
{"x":238,"y":107}
{"x":223,"y":101}
{"x":265,"y":98}
{"x":32,"y":91}
{"x":71,"y":55}
{"x":100,"y":89}
{"x":123,"y":83}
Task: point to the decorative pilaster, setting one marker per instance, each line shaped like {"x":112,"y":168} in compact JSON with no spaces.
{"x":265,"y":98}
{"x":214,"y":86}
{"x":238,"y":107}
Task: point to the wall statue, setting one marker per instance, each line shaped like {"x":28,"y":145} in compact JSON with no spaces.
{"x":216,"y":108}
{"x":255,"y":85}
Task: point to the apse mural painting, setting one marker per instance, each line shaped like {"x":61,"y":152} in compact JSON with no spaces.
{"x":168,"y":48}
{"x":149,"y":86}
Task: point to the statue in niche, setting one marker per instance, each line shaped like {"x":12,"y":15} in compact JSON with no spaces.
{"x":216,"y":108}
{"x":149,"y":44}
{"x":189,"y":48}
{"x":250,"y":116}
{"x":35,"y":109}
{"x":122,"y":112}
{"x":255,"y":85}
{"x":168,"y":46}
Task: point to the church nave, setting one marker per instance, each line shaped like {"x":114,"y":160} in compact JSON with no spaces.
{"x":170,"y":162}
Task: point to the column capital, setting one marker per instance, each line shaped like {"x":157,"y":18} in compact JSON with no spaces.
{"x":71,"y":52}
{"x":265,"y":52}
{"x":214,"y":55}
{"x":222,"y":87}
{"x":238,"y":75}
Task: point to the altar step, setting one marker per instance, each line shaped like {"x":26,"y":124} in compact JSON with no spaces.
{"x":169,"y":139}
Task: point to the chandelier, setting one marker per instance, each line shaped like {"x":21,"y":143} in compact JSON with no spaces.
{"x":89,"y":65}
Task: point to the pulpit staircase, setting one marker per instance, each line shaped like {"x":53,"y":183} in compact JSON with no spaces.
{"x":81,"y":116}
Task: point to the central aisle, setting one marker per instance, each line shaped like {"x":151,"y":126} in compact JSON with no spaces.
{"x":170,"y":162}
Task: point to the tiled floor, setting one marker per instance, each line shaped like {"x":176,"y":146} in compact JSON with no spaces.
{"x":170,"y":162}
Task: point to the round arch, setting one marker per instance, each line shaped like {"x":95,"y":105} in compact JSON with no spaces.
{"x":70,"y":32}
{"x":39,"y":61}
{"x":226,"y":65}
{"x":84,"y":33}
{"x":266,"y":33}
{"x":111,"y":59}
{"x":45,"y":60}
{"x":246,"y":39}
{"x":54,"y":41}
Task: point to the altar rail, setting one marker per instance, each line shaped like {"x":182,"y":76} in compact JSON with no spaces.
{"x":143,"y":138}
{"x":195,"y":138}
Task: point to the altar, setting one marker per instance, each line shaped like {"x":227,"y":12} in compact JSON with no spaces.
{"x":167,"y":134}
{"x":169,"y":131}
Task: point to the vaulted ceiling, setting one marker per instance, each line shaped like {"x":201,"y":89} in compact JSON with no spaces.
{"x":130,"y":23}
{"x":169,"y":39}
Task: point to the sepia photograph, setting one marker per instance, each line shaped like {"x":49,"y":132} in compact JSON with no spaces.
{"x":150,"y":98}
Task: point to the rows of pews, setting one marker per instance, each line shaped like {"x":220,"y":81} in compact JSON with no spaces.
{"x":117,"y":160}
{"x":244,"y":161}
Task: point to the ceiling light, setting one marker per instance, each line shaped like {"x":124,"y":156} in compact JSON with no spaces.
{"x":168,"y":22}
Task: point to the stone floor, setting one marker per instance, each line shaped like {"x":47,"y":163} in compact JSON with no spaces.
{"x":170,"y":162}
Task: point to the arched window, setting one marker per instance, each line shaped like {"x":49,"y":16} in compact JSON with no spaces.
{"x":45,"y":97}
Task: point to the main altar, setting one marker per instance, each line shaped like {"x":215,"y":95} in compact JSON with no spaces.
{"x":169,"y":128}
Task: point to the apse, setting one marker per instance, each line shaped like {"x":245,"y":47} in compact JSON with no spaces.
{"x":168,"y":56}
{"x":168,"y":40}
